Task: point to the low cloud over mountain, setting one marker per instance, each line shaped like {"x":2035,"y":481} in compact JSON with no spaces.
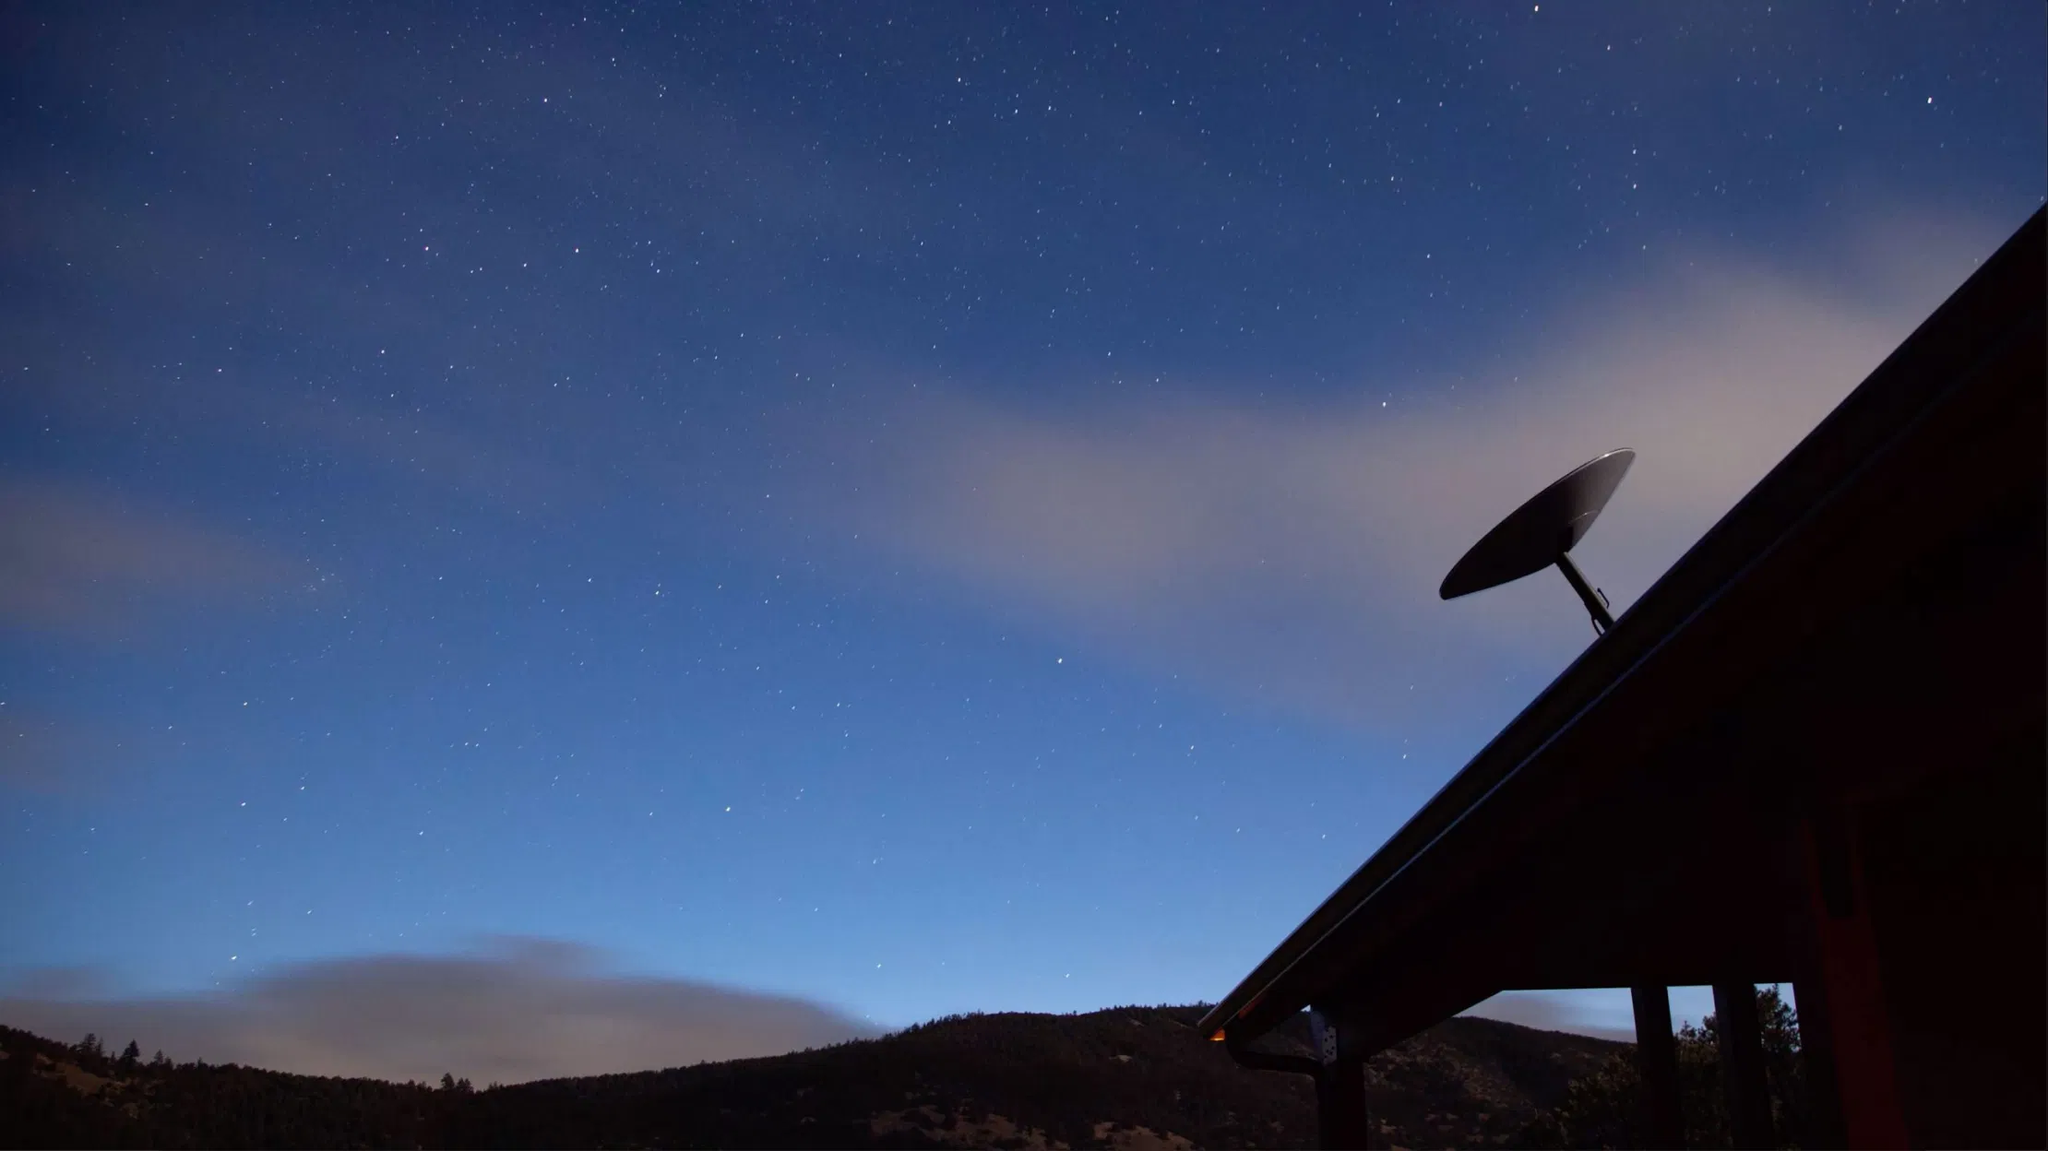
{"x":517,"y":1011}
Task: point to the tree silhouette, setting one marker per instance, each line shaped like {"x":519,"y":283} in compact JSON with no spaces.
{"x":1029,"y":1078}
{"x":1601,"y":1108}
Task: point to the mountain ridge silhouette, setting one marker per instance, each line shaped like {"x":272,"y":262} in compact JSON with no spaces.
{"x":1132,"y":1078}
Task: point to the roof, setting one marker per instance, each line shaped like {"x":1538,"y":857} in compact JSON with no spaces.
{"x":1637,"y":734}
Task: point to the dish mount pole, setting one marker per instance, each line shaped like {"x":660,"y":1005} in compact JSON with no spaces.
{"x":1595,"y":600}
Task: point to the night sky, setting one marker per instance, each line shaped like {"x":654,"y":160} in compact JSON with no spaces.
{"x":585,"y":518}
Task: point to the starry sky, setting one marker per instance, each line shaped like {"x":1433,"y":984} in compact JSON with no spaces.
{"x":764,"y":521}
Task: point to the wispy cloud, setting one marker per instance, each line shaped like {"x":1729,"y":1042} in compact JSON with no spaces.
{"x":1292,"y":553}
{"x":519,"y":1010}
{"x":81,"y":561}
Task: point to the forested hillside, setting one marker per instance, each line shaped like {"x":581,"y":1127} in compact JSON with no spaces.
{"x":1126,"y":1077}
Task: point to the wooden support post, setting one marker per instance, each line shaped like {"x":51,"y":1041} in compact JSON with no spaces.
{"x":1657,"y":1058}
{"x":1847,"y":992}
{"x":1822,"y":1085}
{"x":1341,"y":1119}
{"x":1742,"y":1065}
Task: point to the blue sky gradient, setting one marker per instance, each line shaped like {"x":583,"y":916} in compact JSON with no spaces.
{"x":911,"y":508}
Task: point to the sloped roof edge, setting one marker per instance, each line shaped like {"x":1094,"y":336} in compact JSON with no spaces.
{"x":1923,"y":368}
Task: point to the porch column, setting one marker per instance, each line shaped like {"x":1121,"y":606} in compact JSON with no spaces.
{"x":1341,"y":1119}
{"x":1742,"y":1065}
{"x":1657,"y":1058}
{"x":1817,"y":1064}
{"x":1847,"y":991}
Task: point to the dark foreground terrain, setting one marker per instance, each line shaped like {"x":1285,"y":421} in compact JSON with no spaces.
{"x":1135,"y":1077}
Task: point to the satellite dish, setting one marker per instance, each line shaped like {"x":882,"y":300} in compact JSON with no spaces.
{"x":1542,"y":532}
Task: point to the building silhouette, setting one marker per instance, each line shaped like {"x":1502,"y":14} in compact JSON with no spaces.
{"x":1813,"y":753}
